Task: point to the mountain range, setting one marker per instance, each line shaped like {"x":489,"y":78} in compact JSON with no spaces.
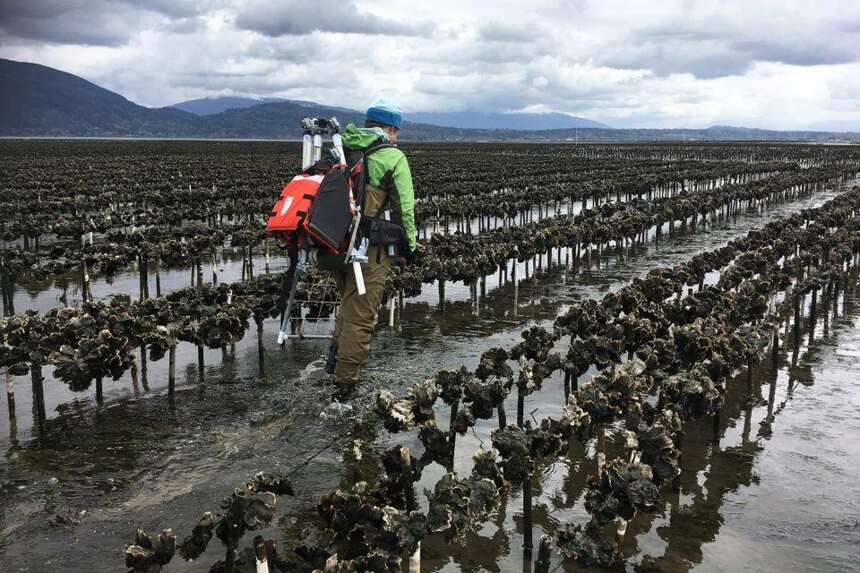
{"x":38,"y":101}
{"x":456,"y":119}
{"x":213,"y":105}
{"x":515,"y":121}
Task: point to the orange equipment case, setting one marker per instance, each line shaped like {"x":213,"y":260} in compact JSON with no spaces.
{"x":291,"y":209}
{"x":316,"y":210}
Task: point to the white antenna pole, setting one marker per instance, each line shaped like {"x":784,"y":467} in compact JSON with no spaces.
{"x":307,"y":151}
{"x":338,"y":145}
{"x":317,"y":146}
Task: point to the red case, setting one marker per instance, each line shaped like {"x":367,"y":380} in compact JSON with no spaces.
{"x":316,"y":210}
{"x":292,"y":207}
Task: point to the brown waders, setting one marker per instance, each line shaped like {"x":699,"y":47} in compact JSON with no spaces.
{"x":358,"y":314}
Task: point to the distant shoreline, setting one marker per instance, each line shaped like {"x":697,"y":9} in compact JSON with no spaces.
{"x":565,"y":141}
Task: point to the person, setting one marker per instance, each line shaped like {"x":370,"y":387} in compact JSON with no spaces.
{"x":388,"y":187}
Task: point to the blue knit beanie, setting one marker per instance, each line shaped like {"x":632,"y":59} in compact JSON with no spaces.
{"x":385,"y":112}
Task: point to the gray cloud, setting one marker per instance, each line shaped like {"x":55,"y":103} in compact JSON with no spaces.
{"x":173,"y":8}
{"x":712,"y":45}
{"x":681,"y":62}
{"x":813,"y":53}
{"x":296,"y":18}
{"x":704,"y":60}
{"x":508,"y":32}
{"x":93,"y":22}
{"x":186,"y":25}
{"x":59,"y":22}
{"x":849,"y":25}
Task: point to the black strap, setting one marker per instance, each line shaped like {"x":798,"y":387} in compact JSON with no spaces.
{"x":367,"y":151}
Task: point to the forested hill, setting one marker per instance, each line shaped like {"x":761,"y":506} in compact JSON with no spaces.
{"x":36,"y":100}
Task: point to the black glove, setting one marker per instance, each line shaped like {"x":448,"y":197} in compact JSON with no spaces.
{"x":414,"y":257}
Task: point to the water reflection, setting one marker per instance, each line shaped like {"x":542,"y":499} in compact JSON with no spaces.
{"x":710,"y":472}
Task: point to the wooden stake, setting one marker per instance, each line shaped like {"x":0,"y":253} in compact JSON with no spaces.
{"x":171,"y":372}
{"x":566,"y":385}
{"x":135,"y":386}
{"x":145,"y":276}
{"x":415,"y":560}
{"x":544,"y":553}
{"x":144,"y":379}
{"x":262,"y":565}
{"x":201,"y":375}
{"x":141,"y":277}
{"x":452,"y":435}
{"x":261,"y":350}
{"x":797,"y":323}
{"x":85,"y":282}
{"x":157,"y":276}
{"x":10,"y":401}
{"x":10,"y":393}
{"x":528,"y":523}
{"x":38,"y":395}
{"x":521,"y":403}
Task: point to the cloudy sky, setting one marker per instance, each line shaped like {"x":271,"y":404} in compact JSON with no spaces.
{"x":772,"y":64}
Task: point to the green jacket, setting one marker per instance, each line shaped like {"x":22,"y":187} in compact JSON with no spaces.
{"x":384,"y":161}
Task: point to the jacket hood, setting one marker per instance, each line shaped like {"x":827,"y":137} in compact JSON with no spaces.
{"x":361,"y":137}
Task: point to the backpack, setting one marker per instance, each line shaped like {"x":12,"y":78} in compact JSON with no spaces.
{"x":316,"y":209}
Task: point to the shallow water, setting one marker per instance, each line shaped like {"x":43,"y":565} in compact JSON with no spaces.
{"x":785,"y":502}
{"x":781,"y":496}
